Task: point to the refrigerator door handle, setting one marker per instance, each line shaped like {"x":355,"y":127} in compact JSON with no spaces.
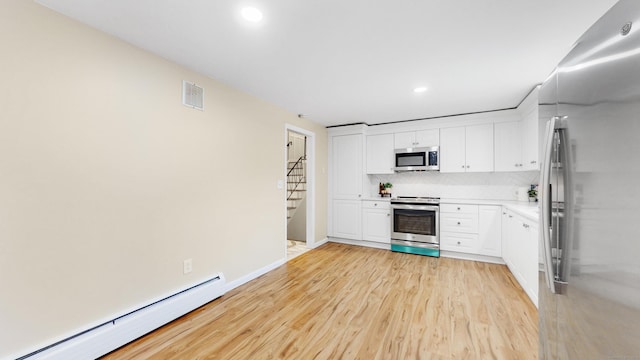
{"x":545,"y":225}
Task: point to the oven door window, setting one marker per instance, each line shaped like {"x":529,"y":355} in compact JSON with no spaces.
{"x":410,"y":159}
{"x":414,"y":222}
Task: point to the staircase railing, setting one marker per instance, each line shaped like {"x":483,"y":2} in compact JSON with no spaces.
{"x":295,"y":177}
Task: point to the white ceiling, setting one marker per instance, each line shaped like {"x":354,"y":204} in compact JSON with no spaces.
{"x":348,"y":61}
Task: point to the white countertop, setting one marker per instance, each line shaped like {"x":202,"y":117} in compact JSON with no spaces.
{"x":527,"y":209}
{"x":379,"y":198}
{"x":523,"y":208}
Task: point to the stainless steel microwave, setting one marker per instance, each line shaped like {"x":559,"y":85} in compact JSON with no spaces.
{"x":417,"y":159}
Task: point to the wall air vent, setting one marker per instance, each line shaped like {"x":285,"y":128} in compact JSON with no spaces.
{"x":192,"y":95}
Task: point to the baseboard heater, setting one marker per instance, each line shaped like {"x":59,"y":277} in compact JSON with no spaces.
{"x":110,"y":335}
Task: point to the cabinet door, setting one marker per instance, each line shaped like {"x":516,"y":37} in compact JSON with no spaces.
{"x":380,"y":156}
{"x":427,"y":137}
{"x":520,"y":239}
{"x":452,"y":150}
{"x":532,"y":262}
{"x":479,"y":148}
{"x":404,"y":140}
{"x":376,"y":225}
{"x":347,"y":174}
{"x":508,"y":144}
{"x":506,"y":238}
{"x":347,"y":222}
{"x":529,"y":138}
{"x":511,"y":257}
{"x":490,"y":230}
{"x":459,"y":242}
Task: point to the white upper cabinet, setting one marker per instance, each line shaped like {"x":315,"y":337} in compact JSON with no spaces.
{"x":508,"y":146}
{"x":420,"y":138}
{"x":380,"y":158}
{"x":529,"y":131}
{"x":467,"y":148}
{"x":479,"y":148}
{"x":452,"y":150}
{"x":530,"y":150}
{"x":346,"y":159}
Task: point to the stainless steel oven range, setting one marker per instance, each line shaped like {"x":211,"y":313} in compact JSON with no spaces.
{"x":415,"y":225}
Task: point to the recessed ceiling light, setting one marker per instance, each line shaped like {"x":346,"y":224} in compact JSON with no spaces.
{"x":420,"y":89}
{"x":251,"y":14}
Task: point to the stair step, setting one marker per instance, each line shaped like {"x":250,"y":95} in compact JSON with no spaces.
{"x":294,"y":199}
{"x":291,"y":207}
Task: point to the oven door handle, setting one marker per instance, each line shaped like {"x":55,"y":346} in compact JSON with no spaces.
{"x":415,"y":207}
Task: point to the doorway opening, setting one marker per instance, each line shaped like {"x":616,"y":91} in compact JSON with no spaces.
{"x":299,"y":194}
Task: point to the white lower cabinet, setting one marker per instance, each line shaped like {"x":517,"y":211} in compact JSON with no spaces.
{"x":459,"y":242}
{"x":346,"y":218}
{"x":490,"y":230}
{"x":520,"y":251}
{"x":376,"y":221}
{"x":471,"y":229}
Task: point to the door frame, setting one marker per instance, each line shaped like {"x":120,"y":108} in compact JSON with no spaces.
{"x":311,"y":190}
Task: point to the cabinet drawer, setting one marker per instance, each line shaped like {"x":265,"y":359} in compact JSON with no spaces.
{"x":458,"y":242}
{"x":366,"y":204}
{"x":459,"y":208}
{"x":460,"y":223}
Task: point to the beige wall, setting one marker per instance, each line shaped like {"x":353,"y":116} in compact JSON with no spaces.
{"x":107,"y":182}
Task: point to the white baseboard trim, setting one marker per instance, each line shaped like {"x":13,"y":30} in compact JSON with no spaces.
{"x":473,"y":257}
{"x":319,"y":243}
{"x":364,"y":243}
{"x":254,"y":275}
{"x":120,"y":330}
{"x":98,"y":340}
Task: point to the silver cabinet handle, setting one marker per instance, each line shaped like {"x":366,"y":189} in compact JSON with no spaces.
{"x":468,"y":166}
{"x":458,"y":242}
{"x":533,"y":161}
{"x":463,"y":166}
{"x":359,"y":195}
{"x":458,"y":208}
{"x":458,"y":222}
{"x":375,"y":204}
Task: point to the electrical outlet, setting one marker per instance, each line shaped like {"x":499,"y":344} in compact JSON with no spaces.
{"x":187,"y":266}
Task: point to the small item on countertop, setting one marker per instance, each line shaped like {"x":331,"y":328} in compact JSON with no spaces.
{"x":381,"y":189}
{"x":386,"y":189}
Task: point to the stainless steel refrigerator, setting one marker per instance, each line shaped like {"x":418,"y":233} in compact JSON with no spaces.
{"x":589,"y":302}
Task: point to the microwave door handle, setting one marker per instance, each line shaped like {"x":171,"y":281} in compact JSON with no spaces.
{"x":545,"y":223}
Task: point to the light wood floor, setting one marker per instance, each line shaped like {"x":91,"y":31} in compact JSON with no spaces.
{"x":349,"y":302}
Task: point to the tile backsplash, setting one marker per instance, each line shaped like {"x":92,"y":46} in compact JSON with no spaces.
{"x":494,"y":186}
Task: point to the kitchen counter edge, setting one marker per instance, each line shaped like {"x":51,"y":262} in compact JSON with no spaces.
{"x":528,"y":210}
